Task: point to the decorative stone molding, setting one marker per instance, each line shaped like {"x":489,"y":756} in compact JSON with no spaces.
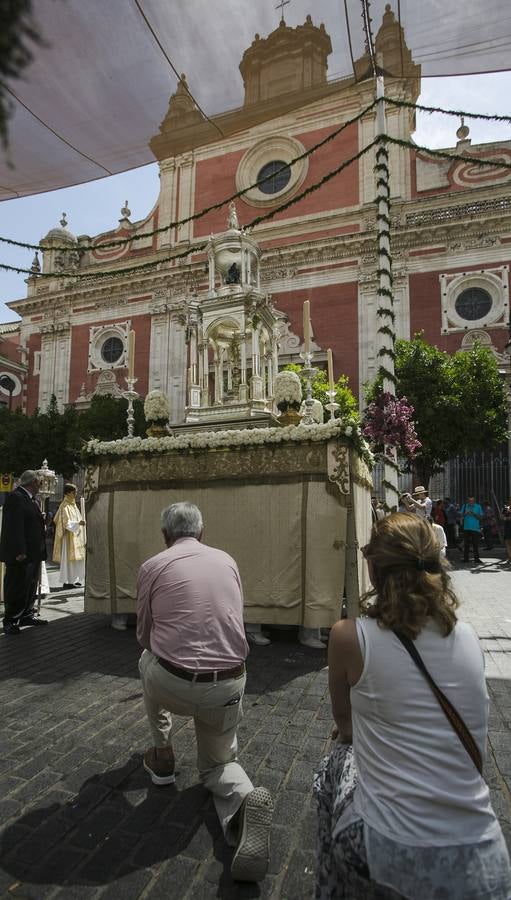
{"x":495,"y":282}
{"x":274,"y":147}
{"x":98,"y":336}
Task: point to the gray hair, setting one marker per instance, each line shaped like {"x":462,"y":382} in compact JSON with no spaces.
{"x":28,"y":476}
{"x":181,"y":520}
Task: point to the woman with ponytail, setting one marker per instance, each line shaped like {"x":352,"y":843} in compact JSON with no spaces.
{"x":404,"y":811}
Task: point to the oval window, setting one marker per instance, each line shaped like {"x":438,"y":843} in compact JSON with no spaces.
{"x":273,"y":177}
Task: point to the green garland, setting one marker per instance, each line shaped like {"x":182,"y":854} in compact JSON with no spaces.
{"x":252,"y":224}
{"x":457,"y":113}
{"x":442,"y":154}
{"x":119,"y":242}
{"x":81,"y":276}
{"x":313,"y":187}
{"x":386,"y":373}
{"x":387,"y":351}
{"x":385,"y":329}
{"x":389,"y":313}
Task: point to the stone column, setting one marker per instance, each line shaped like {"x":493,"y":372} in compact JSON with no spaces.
{"x":211,"y":272}
{"x":256,"y":382}
{"x":243,"y":394}
{"x":205,"y":375}
{"x":167,"y":202}
{"x":177,"y":367}
{"x":159,"y":344}
{"x":186,"y":195}
{"x":55,"y":364}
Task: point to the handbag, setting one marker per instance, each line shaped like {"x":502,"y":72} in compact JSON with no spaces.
{"x":450,"y":711}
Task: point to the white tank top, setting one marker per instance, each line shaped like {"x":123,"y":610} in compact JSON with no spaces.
{"x":417,"y":783}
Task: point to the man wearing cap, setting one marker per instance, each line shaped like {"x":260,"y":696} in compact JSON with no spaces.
{"x":190,"y":623}
{"x":22,"y":549}
{"x":421,"y":504}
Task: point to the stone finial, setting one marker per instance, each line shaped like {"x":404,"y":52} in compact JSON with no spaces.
{"x":36,"y":266}
{"x":463,"y":131}
{"x":125,"y":210}
{"x":232,"y":221}
{"x":63,"y":220}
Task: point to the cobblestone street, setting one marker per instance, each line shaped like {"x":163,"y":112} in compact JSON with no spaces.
{"x":80,"y":816}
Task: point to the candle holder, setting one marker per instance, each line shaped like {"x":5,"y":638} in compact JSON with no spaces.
{"x":130,"y":395}
{"x":332,"y":406}
{"x":308,"y":372}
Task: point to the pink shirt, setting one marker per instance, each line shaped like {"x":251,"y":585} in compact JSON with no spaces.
{"x":190,"y":607}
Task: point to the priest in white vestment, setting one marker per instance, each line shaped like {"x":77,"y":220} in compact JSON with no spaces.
{"x":69,"y":546}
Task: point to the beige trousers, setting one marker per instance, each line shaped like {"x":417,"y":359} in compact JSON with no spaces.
{"x":216,"y":718}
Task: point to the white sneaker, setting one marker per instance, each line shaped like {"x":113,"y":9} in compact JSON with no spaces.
{"x":312,"y":642}
{"x":252,"y":855}
{"x":257,"y":637}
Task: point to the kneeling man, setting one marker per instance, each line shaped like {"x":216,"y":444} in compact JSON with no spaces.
{"x":190,"y":622}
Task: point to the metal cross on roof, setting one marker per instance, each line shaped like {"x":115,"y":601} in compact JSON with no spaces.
{"x":281,"y":5}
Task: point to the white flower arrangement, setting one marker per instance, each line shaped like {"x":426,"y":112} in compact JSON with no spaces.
{"x":287,"y":390}
{"x":156,"y":407}
{"x":243,"y":437}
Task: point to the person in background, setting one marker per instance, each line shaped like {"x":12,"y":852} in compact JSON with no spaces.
{"x":406,"y":503}
{"x":438,"y":513}
{"x":22,"y":549}
{"x":506,"y":518}
{"x":440,"y":536}
{"x":488,"y":524}
{"x":377,"y":510}
{"x":421,"y":502}
{"x":471,"y":514}
{"x":69,"y":546}
{"x":190,"y":624}
{"x":451,"y":515}
{"x":403,"y":810}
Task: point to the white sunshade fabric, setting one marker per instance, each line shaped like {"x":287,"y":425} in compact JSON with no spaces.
{"x":98,"y":89}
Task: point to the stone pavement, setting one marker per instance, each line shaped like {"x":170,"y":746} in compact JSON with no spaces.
{"x":80,"y":818}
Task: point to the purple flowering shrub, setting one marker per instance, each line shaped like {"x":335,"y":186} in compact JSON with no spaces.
{"x":388,"y":420}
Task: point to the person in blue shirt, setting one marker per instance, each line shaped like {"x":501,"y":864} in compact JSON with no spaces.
{"x":471,"y":516}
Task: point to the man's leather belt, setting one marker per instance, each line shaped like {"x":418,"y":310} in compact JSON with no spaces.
{"x":190,"y":675}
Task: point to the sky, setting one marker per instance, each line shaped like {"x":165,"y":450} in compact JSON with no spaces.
{"x":95,"y":207}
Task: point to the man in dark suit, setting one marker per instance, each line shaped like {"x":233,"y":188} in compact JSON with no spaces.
{"x":22,"y":548}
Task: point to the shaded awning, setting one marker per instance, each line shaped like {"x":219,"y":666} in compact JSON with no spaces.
{"x":97,"y":91}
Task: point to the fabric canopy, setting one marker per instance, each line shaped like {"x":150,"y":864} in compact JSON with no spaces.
{"x":98,"y":88}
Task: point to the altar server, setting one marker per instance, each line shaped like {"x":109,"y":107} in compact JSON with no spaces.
{"x":69,"y":546}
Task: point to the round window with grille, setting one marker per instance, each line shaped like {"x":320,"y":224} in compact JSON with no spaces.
{"x":273,"y":177}
{"x":112,"y":350}
{"x":473,"y":303}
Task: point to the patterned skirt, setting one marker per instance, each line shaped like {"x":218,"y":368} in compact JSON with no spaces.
{"x":459,"y":872}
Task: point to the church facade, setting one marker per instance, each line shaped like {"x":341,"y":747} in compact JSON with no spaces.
{"x":450,"y":232}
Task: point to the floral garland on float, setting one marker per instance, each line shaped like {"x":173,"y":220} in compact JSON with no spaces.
{"x":348,"y":431}
{"x":156,"y":412}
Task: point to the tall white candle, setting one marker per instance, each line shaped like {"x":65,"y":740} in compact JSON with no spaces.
{"x":306,"y":326}
{"x":330,"y":369}
{"x":131,"y":354}
{"x":82,"y":508}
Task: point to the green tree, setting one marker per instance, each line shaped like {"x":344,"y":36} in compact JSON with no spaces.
{"x":25,"y":441}
{"x":16,"y":442}
{"x":348,"y":406}
{"x":459,"y":401}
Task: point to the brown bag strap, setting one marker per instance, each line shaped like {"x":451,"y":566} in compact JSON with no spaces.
{"x":450,"y":711}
